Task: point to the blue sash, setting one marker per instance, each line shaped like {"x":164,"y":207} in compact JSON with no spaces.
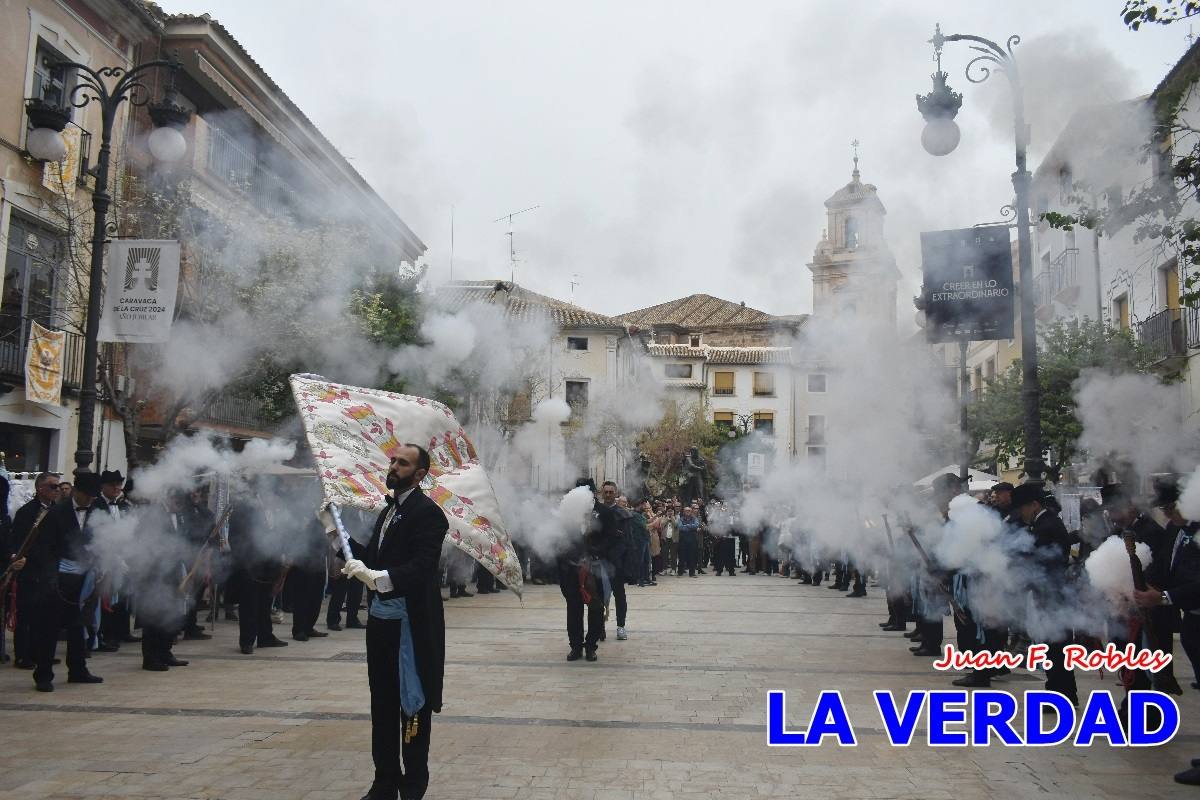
{"x":412,"y":696}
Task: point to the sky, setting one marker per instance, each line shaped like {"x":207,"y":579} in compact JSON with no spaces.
{"x":674,"y":148}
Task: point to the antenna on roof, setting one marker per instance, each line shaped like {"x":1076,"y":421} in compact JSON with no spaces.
{"x":512,"y":250}
{"x":574,"y":282}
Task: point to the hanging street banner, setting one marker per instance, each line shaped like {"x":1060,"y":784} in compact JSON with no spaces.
{"x":139,"y":295}
{"x":353,"y":433}
{"x":968,"y":277}
{"x":44,"y":365}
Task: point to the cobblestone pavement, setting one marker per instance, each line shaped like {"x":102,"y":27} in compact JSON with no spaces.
{"x":678,"y":710}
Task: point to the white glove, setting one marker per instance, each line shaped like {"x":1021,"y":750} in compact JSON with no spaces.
{"x":357,"y":569}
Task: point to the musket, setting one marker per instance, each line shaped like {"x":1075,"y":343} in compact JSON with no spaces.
{"x":887,"y":528}
{"x":959,"y":613}
{"x":30,"y":538}
{"x":204,"y":547}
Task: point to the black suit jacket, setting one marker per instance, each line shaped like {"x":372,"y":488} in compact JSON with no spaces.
{"x":43,"y":554}
{"x":411,"y":552}
{"x":73,"y":541}
{"x":1051,"y":550}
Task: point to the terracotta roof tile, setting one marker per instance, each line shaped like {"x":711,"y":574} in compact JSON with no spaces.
{"x":520,"y":303}
{"x":698,"y":310}
{"x":724,"y":355}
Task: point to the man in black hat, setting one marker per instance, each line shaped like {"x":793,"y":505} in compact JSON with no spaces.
{"x":69,"y":524}
{"x":1182,"y":567}
{"x":600,"y":530}
{"x":114,"y":608}
{"x":931,"y":602}
{"x":1050,"y":557}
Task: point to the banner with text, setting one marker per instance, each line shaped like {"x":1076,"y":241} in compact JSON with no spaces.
{"x":139,"y":296}
{"x":968,"y":284}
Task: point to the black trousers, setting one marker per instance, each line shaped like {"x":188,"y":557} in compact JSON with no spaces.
{"x":723,"y":558}
{"x":254,"y":610}
{"x":619,"y":598}
{"x":308,"y":590}
{"x":689,"y":552}
{"x":114,"y":622}
{"x":157,"y":641}
{"x":59,"y":609}
{"x":568,"y":584}
{"x":931,"y":633}
{"x":345,"y":591}
{"x":387,"y":719}
{"x":1058,"y":678}
{"x":1189,"y":637}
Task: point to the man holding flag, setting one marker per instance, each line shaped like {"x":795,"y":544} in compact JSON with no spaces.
{"x":406,"y":628}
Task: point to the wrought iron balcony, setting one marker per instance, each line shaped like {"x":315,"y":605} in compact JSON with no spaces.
{"x":14,"y":350}
{"x":1059,"y":280}
{"x":1164,"y":334}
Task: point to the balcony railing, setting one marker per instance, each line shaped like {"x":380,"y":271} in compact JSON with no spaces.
{"x":1061,"y":274}
{"x":1191,"y":327}
{"x":1163,"y":333}
{"x":14,"y":347}
{"x":238,"y":412}
{"x":245,"y":172}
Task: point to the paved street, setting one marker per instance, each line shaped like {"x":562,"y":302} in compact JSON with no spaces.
{"x":676,"y":711}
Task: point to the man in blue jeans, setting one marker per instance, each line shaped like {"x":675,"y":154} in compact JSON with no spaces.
{"x":689,"y":541}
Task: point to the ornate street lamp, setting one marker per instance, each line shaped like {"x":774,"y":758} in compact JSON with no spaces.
{"x":939,"y":138}
{"x":108,"y":87}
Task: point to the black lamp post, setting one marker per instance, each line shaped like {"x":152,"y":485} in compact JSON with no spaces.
{"x":108,"y":87}
{"x":939,"y":138}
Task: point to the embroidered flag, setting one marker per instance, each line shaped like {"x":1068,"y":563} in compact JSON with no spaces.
{"x":353,"y":433}
{"x":44,"y":365}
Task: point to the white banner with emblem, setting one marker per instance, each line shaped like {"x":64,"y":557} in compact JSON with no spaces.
{"x":139,"y":295}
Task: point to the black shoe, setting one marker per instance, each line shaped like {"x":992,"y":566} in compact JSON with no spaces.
{"x":172,"y":661}
{"x":108,"y":648}
{"x":273,"y":643}
{"x":1000,"y":672}
{"x":334,"y":626}
{"x":44,"y":686}
{"x":300,"y":636}
{"x":413,"y":792}
{"x":591,"y":654}
{"x":896,"y":628}
{"x":887,"y":624}
{"x":1191,"y":777}
{"x":603,"y":635}
{"x":352,"y":624}
{"x":914,"y":634}
{"x":247,"y":649}
{"x":927,"y":652}
{"x":84,"y":677}
{"x":465,"y":593}
{"x":196,"y":635}
{"x":575,"y":654}
{"x":857,"y":593}
{"x":380,"y":793}
{"x":23,"y":664}
{"x":976,"y":680}
{"x":316,"y":634}
{"x":154,"y":666}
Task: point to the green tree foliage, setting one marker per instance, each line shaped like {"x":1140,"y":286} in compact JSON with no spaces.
{"x":1157,"y":12}
{"x":1065,"y":349}
{"x":665,"y":444}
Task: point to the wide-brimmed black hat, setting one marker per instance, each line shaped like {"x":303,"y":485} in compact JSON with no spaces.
{"x":1027,"y":493}
{"x":1002,"y":486}
{"x":1115,"y":495}
{"x":947,"y":481}
{"x":88,"y":483}
{"x":1166,"y":492}
{"x":112,"y":476}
